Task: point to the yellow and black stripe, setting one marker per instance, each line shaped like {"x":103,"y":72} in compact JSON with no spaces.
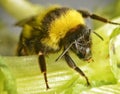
{"x":57,"y":23}
{"x":52,"y":25}
{"x":64,"y":20}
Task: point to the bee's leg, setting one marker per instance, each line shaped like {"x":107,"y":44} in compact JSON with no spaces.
{"x":86,"y":14}
{"x":71,"y":64}
{"x":42,"y":64}
{"x":19,"y":49}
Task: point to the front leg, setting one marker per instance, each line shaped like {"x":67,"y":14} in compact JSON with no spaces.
{"x":42,"y":64}
{"x":71,"y":64}
{"x":87,"y":14}
{"x":21,"y":49}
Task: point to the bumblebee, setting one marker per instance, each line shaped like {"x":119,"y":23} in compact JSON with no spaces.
{"x":58,"y":28}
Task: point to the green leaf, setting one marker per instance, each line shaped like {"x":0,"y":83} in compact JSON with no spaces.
{"x":22,"y":74}
{"x":105,"y":89}
{"x":7,"y":82}
{"x":115,"y":32}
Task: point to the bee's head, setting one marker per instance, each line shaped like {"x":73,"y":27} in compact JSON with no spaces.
{"x":82,"y":43}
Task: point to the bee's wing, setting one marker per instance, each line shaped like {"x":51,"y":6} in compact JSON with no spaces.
{"x":29,"y":20}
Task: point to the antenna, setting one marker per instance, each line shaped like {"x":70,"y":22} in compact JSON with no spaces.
{"x":98,"y":35}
